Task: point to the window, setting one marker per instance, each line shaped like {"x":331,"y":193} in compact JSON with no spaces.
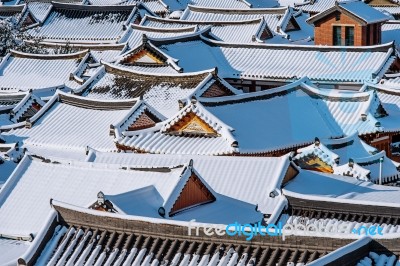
{"x":337,"y":16}
{"x":337,"y":35}
{"x":349,"y":40}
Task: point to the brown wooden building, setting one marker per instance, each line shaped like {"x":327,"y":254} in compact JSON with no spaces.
{"x":352,"y":23}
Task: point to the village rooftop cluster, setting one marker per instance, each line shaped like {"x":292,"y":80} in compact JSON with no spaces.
{"x":125,"y":124}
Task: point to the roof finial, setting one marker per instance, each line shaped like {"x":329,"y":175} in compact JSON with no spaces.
{"x":191,"y":163}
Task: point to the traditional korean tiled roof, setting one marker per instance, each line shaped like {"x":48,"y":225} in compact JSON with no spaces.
{"x":336,"y":113}
{"x":356,"y":8}
{"x":348,"y":156}
{"x":9,"y":100}
{"x":68,"y":122}
{"x":22,"y":71}
{"x":340,"y":189}
{"x":211,"y":167}
{"x":205,"y":134}
{"x":390,"y":99}
{"x":162,"y":92}
{"x":391,"y":31}
{"x":26,"y":108}
{"x":251,"y":30}
{"x":281,"y":62}
{"x":150,"y":187}
{"x":85,"y":23}
{"x":274,"y":17}
{"x":133,"y":36}
{"x":85,"y":244}
{"x":9,"y":11}
{"x":314,"y":6}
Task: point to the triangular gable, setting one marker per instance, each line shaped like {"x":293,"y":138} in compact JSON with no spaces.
{"x":28,"y":19}
{"x":140,"y":117}
{"x":145,"y":120}
{"x":191,"y":124}
{"x":292,"y":25}
{"x":144,"y":54}
{"x":143,"y":57}
{"x":194,"y":193}
{"x":190,"y":191}
{"x":194,"y":120}
{"x":26,"y":108}
{"x":217,"y":89}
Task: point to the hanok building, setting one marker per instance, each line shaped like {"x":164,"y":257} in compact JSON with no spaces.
{"x":389,"y":6}
{"x":21,"y":72}
{"x":281,"y":21}
{"x":349,"y":23}
{"x":165,"y":93}
{"x":254,"y":67}
{"x":84,"y":23}
{"x":73,"y":230}
{"x":71,"y":122}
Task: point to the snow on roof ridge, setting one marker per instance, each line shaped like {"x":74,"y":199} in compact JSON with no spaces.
{"x":342,"y":251}
{"x":59,"y":92}
{"x":342,"y":140}
{"x":123,"y":216}
{"x":235,"y":22}
{"x":302,"y":46}
{"x":106,"y":8}
{"x":255,"y":95}
{"x":369,"y":159}
{"x":333,"y":93}
{"x":192,"y":35}
{"x":75,"y":55}
{"x":330,"y":198}
{"x":138,"y":72}
{"x":381,"y":87}
{"x":238,"y":10}
{"x":155,"y":29}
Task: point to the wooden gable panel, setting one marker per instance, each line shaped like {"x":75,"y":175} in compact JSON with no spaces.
{"x":193,"y":193}
{"x":216,"y":90}
{"x":144,"y":57}
{"x":192,"y":124}
{"x":145,"y":120}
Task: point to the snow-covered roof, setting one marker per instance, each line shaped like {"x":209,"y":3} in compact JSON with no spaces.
{"x":314,"y":6}
{"x":390,"y":99}
{"x":331,"y":64}
{"x":25,"y":197}
{"x":133,"y":35}
{"x":342,"y":189}
{"x":233,"y":124}
{"x":212,"y":168}
{"x":351,"y":156}
{"x":356,"y":8}
{"x":250,"y":30}
{"x":274,"y":17}
{"x":162,"y":92}
{"x":391,"y":31}
{"x":337,"y":113}
{"x":22,"y":71}
{"x":71,"y":123}
{"x":85,"y":23}
{"x":10,"y":10}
